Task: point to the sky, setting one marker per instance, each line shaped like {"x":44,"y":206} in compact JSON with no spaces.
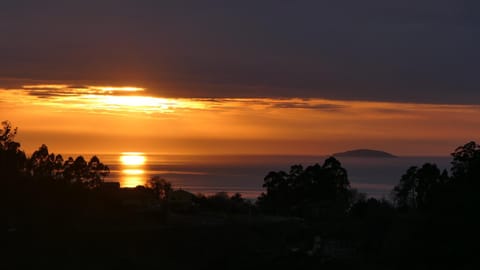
{"x":99,"y":119}
{"x":291,"y":77}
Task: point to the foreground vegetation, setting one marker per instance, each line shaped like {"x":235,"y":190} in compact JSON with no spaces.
{"x":59,"y":213}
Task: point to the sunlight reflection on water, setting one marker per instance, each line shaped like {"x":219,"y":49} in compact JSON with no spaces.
{"x":132,"y":173}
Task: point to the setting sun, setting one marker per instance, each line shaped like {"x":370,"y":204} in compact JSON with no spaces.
{"x":132,"y":159}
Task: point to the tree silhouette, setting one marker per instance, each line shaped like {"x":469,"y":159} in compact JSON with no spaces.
{"x":97,"y":171}
{"x":404,"y":193}
{"x":41,"y":164}
{"x":465,"y":182}
{"x":161,"y":190}
{"x":466,"y":163}
{"x":419,"y":186}
{"x":430,"y":181}
{"x":58,"y":167}
{"x":443,"y":206}
{"x":12,"y":158}
{"x":307,"y":192}
{"x":160,"y":187}
{"x":7,"y":134}
{"x":45,"y":165}
{"x":78,"y":171}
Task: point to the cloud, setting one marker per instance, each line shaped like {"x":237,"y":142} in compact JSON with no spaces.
{"x":414,"y":51}
{"x":60,"y":90}
{"x":389,"y":111}
{"x":309,"y":105}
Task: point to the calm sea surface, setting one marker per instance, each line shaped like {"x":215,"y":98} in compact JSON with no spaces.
{"x":244,"y":174}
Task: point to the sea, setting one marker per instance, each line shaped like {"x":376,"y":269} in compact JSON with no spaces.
{"x":244,"y":174}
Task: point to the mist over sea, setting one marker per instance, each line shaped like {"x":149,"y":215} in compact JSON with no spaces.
{"x":244,"y":174}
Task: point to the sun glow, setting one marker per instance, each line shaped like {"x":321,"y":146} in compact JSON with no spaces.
{"x":115,"y":89}
{"x":132,"y":159}
{"x":102,"y":99}
{"x":147,"y":103}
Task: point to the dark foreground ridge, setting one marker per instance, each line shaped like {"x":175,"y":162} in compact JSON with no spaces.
{"x":365,"y":153}
{"x":60,"y":214}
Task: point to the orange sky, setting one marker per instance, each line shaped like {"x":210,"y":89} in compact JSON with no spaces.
{"x":99,"y":119}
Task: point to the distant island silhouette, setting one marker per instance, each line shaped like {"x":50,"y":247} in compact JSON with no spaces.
{"x":368,"y":153}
